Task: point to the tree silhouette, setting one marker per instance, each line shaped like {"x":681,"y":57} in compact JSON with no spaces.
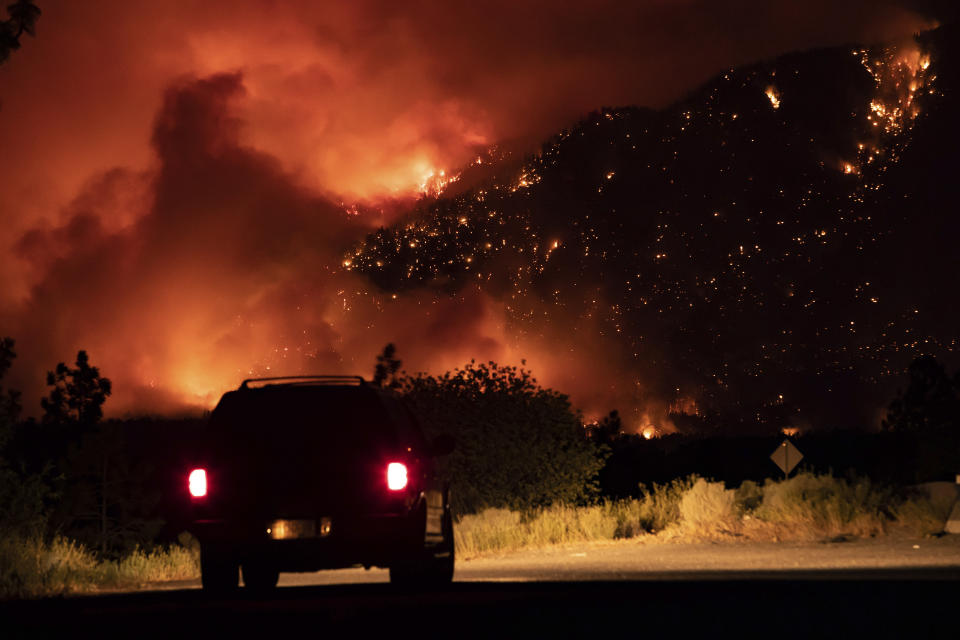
{"x":98,"y":506}
{"x":78,"y":394}
{"x":930,"y":401}
{"x":23,"y":16}
{"x":25,"y":496}
{"x":928,"y":412}
{"x":9,"y":400}
{"x":608,"y":430}
{"x":385,"y":373}
{"x":519,"y":445}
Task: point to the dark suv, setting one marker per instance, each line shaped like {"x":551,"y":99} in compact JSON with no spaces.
{"x":318,"y":472}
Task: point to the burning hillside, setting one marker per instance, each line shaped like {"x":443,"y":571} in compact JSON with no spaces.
{"x":723,"y":250}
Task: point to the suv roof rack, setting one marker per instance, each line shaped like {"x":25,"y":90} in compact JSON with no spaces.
{"x":304,"y":381}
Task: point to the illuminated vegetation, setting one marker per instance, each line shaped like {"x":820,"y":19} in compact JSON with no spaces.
{"x":806,"y":507}
{"x":30,"y":567}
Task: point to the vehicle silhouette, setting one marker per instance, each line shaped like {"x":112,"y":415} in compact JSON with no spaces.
{"x":317,"y":472}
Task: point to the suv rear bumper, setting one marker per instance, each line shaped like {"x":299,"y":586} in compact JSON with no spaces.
{"x":377,"y":540}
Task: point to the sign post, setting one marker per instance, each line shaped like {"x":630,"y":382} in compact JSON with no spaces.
{"x":786,"y":456}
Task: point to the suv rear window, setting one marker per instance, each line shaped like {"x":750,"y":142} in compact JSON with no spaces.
{"x":333,"y":418}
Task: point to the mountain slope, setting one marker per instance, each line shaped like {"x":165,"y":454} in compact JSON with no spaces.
{"x":774,"y":248}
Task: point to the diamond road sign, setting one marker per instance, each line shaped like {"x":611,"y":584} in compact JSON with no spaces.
{"x":786,"y":456}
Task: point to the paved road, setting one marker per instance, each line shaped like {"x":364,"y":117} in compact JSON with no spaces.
{"x":933,"y":558}
{"x":858,"y":589}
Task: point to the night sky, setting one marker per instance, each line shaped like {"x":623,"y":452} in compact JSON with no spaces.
{"x":192,"y":192}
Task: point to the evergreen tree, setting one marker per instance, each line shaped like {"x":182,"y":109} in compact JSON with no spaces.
{"x":78,"y":394}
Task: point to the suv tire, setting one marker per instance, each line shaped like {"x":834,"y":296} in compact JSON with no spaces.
{"x":429,"y":567}
{"x":259,"y":576}
{"x":219,"y":570}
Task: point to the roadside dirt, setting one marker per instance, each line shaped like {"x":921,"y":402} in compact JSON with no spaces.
{"x":633,"y":559}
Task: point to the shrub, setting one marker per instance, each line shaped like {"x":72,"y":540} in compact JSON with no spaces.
{"x":805,"y":507}
{"x":749,"y":495}
{"x":29,"y":567}
{"x":809,"y":506}
{"x":519,"y":446}
{"x":626,"y":517}
{"x":708,"y":508}
{"x":923,"y":514}
{"x":160,"y":565}
{"x":659,"y":504}
{"x":505,"y":530}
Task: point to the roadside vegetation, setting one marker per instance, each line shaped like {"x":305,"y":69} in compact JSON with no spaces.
{"x":806,"y":507}
{"x":31,"y":567}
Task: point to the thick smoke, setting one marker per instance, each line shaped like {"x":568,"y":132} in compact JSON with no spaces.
{"x":230,"y":271}
{"x":175,"y":176}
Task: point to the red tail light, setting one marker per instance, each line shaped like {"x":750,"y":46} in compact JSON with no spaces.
{"x":197,"y":483}
{"x":396,"y":476}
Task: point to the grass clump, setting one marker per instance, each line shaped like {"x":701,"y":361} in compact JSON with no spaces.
{"x":506,"y":530}
{"x":659,"y":504}
{"x":31,"y":567}
{"x":159,"y":565}
{"x":708,"y":508}
{"x":809,"y":506}
{"x":923,"y":514}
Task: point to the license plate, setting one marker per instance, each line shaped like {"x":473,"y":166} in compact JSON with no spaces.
{"x":296,"y":529}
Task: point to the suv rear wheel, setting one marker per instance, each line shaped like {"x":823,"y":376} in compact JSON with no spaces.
{"x":219,"y":569}
{"x":429,"y":567}
{"x":259,"y":576}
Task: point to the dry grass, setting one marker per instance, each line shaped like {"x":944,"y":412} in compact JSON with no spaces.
{"x":816,"y":507}
{"x":660,"y":504}
{"x":922,"y":514}
{"x":31,"y":567}
{"x":505,"y":530}
{"x":804,"y":507}
{"x":160,"y":565}
{"x":707,"y":509}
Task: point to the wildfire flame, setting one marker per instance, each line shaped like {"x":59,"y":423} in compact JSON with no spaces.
{"x":774,"y":96}
{"x":899,"y":75}
{"x":434,"y":183}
